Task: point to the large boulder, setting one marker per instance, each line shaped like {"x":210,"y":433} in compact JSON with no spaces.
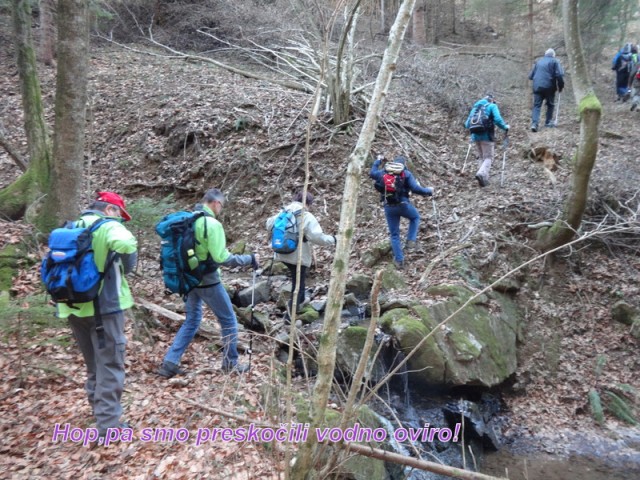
{"x":476,"y":347}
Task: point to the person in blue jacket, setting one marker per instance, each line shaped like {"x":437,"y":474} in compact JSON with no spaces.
{"x":623,"y":64}
{"x":548,"y":78}
{"x":397,"y":204}
{"x":485,"y":142}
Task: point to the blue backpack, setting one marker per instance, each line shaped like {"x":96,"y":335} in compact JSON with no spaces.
{"x":182,"y":271}
{"x":284,"y":236}
{"x":69,"y":271}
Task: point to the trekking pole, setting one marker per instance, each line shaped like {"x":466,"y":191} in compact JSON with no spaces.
{"x":465,"y":159}
{"x":435,"y":216}
{"x":505,"y":144}
{"x":555,"y":122}
{"x":253,"y":303}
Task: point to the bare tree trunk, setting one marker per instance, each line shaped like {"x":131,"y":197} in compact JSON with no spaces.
{"x":418,"y":27}
{"x":383,"y":20}
{"x":452,"y":3}
{"x":340,"y":80}
{"x":21,"y":194}
{"x":432,"y":14}
{"x":530,"y":19}
{"x":71,"y":100}
{"x":47,"y":32}
{"x":589,"y":110}
{"x":327,"y":350}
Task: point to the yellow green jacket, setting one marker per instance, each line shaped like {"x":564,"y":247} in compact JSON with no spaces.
{"x":115,"y":294}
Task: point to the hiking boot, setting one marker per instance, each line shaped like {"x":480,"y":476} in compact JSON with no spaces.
{"x":237,"y":368}
{"x":412,"y":246}
{"x":168,"y":370}
{"x":102,"y":437}
{"x":398,"y":265}
{"x":633,"y":106}
{"x":482,"y":181}
{"x":534,"y":127}
{"x":550,"y":125}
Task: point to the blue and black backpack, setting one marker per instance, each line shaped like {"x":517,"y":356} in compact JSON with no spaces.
{"x":69,"y":271}
{"x":182,"y":271}
{"x":284,"y":235}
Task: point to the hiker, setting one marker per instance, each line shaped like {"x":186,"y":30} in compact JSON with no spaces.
{"x":395,"y":183}
{"x":484,"y":138}
{"x":115,"y":248}
{"x":312,"y":235}
{"x":548,"y":78}
{"x":623,"y":63}
{"x":211,"y":248}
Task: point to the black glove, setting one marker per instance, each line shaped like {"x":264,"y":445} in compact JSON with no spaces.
{"x":254,"y":262}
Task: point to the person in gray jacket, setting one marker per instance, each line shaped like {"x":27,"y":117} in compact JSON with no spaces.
{"x":312,"y":234}
{"x":548,"y":78}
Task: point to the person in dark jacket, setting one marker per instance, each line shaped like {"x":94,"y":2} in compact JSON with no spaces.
{"x":548,"y":78}
{"x":398,"y":205}
{"x":623,"y":64}
{"x":485,"y":141}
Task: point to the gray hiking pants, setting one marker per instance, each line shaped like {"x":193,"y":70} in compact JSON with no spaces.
{"x":485,"y":157}
{"x":105,"y":367}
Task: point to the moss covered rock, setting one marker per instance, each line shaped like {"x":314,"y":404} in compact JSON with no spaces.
{"x":376,"y":253}
{"x":391,"y":278}
{"x":308,"y":315}
{"x":476,"y":347}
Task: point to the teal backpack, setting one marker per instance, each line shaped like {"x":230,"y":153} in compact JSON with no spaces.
{"x":182,"y":271}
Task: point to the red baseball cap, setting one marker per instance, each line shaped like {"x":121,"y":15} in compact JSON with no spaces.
{"x":114,"y":199}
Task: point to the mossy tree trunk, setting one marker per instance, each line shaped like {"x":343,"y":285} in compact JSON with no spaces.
{"x":589,"y":111}
{"x":31,"y":185}
{"x":328,"y":341}
{"x":70,"y":107}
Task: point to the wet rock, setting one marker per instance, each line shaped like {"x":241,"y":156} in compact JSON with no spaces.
{"x":625,"y":313}
{"x":478,"y":421}
{"x":359,"y":286}
{"x":318,"y":305}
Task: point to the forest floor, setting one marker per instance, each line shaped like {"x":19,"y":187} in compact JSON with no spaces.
{"x":160,"y":127}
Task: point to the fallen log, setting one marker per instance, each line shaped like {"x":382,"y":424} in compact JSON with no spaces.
{"x":204,"y":331}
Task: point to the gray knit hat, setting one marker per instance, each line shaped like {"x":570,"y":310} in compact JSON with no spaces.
{"x":550,"y":53}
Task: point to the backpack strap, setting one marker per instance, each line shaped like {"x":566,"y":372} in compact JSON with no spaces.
{"x":209,"y":264}
{"x":111,"y":256}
